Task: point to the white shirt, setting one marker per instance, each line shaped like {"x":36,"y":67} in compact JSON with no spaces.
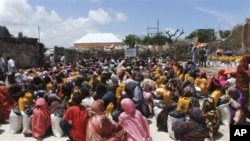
{"x":11,"y":65}
{"x":52,"y":60}
{"x":63,"y":61}
{"x":2,"y":64}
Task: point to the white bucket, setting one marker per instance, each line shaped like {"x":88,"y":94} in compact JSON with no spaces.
{"x":15,"y":122}
{"x":26,"y":123}
{"x":201,"y":102}
{"x":55,"y":124}
{"x":157,"y":111}
{"x":171,"y":120}
{"x":156,"y":101}
{"x":225,"y":116}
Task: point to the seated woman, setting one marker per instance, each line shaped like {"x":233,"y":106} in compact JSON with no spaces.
{"x":236,"y":104}
{"x":6,"y":102}
{"x":134,"y":92}
{"x":212,"y":116}
{"x":133,"y":122}
{"x":193,"y":129}
{"x":100,"y":127}
{"x":41,"y":116}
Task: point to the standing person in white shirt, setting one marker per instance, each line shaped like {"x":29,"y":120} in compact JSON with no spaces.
{"x":11,"y":65}
{"x":52,"y":60}
{"x":63,"y":61}
{"x":2,"y":69}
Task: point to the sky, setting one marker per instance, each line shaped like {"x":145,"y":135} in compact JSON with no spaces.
{"x":62,"y":22}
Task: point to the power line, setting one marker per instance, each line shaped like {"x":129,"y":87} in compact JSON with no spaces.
{"x":157,"y":29}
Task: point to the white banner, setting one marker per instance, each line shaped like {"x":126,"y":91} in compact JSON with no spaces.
{"x":130,"y":52}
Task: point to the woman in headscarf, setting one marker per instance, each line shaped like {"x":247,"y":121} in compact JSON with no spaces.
{"x":41,"y":118}
{"x":100,"y":127}
{"x":235,"y":104}
{"x":54,"y":102}
{"x":37,"y":84}
{"x":134,"y":92}
{"x":6,"y":102}
{"x":134,"y":122}
{"x":212,"y":118}
{"x":148,"y":93}
{"x":222,"y":77}
{"x":192,"y":130}
{"x":242,"y":82}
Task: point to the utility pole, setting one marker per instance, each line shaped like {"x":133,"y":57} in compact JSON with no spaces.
{"x":38,"y":34}
{"x":154,"y":28}
{"x":157,"y":31}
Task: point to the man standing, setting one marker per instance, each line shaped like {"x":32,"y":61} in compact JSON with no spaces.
{"x":63,"y":61}
{"x":194,"y":54}
{"x":202,"y":54}
{"x":11,"y":65}
{"x":2,"y":68}
{"x":52,"y":60}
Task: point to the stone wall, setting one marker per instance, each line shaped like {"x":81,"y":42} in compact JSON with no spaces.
{"x":27,"y":52}
{"x":234,"y":40}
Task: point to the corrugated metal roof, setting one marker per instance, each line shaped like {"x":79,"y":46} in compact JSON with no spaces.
{"x":99,"y":38}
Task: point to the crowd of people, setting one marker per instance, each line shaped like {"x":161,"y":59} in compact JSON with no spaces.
{"x":110,"y":99}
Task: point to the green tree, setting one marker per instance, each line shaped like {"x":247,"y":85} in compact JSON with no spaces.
{"x":204,"y":35}
{"x":147,"y":40}
{"x":159,"y":39}
{"x":131,"y":40}
{"x":191,"y":35}
{"x":224,"y":33}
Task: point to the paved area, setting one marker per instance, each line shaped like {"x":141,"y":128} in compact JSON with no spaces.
{"x":5,"y":134}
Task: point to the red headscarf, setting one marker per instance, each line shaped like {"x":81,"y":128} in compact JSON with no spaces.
{"x":243,"y":76}
{"x":6,"y":102}
{"x":41,"y":118}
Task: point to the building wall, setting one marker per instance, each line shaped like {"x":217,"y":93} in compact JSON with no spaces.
{"x":95,"y":45}
{"x":27,"y":52}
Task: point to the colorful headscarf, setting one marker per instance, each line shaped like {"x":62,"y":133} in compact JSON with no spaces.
{"x":128,"y":106}
{"x":134,"y":122}
{"x":97,"y":107}
{"x":212,"y":118}
{"x":195,"y":114}
{"x":234,"y":93}
{"x":41,"y":116}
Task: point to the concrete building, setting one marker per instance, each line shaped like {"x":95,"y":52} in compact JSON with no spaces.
{"x":98,"y":41}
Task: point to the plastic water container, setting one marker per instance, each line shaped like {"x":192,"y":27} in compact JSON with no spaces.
{"x":166,"y":98}
{"x":216,"y":96}
{"x":26,"y":122}
{"x":160,"y":91}
{"x":55,"y":124}
{"x":158,"y":108}
{"x":15,"y":122}
{"x":198,"y":89}
{"x":171,"y":120}
{"x":225,"y":116}
{"x":183,"y":104}
{"x":157,"y":111}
